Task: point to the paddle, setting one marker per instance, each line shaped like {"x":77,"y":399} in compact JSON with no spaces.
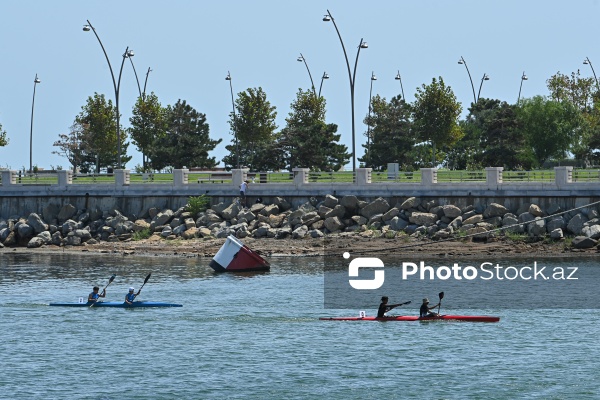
{"x":398,"y":305}
{"x":145,"y":280}
{"x":112,"y":278}
{"x":440,"y":303}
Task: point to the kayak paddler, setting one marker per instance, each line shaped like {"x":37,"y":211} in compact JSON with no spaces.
{"x":424,"y":311}
{"x":94,"y":296}
{"x":385,"y":307}
{"x":130,"y":297}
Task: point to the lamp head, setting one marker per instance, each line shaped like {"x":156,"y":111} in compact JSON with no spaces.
{"x":228,"y":77}
{"x":586,"y":61}
{"x":486,"y":77}
{"x":373,"y":77}
{"x":36,"y":80}
{"x":325,"y":76}
{"x":398,"y":77}
{"x":300,"y":58}
{"x":326,"y":18}
{"x":364,"y":45}
{"x":86,"y":28}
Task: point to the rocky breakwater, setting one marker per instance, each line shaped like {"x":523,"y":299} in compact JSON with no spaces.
{"x":68,"y":226}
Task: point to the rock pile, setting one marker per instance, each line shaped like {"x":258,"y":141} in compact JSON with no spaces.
{"x":68,"y":226}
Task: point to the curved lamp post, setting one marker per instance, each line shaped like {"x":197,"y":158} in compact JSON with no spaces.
{"x":116,"y":85}
{"x":325,"y":76}
{"x":373,"y":78}
{"x":485,"y":77}
{"x":587,"y":61}
{"x":302,"y":59}
{"x":523,"y":78}
{"x":129,"y":55}
{"x":35,"y":82}
{"x":237,"y":148}
{"x":399,"y":78}
{"x":351,"y":76}
{"x":462,"y":61}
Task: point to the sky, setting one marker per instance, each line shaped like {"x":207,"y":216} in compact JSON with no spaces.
{"x":190,"y":45}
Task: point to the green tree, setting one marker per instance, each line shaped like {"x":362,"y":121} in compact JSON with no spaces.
{"x":254,"y":125}
{"x":389,"y":135}
{"x":148,"y":124}
{"x":307,"y":140}
{"x":73,"y":146}
{"x":186,"y":141}
{"x":97,"y":117}
{"x":435,"y":115}
{"x":579,"y":91}
{"x":465,"y":154}
{"x":3,"y":137}
{"x":549,"y":126}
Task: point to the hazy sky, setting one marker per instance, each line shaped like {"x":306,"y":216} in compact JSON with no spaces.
{"x":190,"y":46}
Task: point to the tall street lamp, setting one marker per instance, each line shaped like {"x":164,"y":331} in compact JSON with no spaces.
{"x":485,"y":77}
{"x":302,"y":59}
{"x":351,"y":76}
{"x":116,"y":85}
{"x":523,"y":78}
{"x":325,"y":76}
{"x":237,"y":148}
{"x":587,"y":61}
{"x":129,"y":55}
{"x":35,"y":82}
{"x":399,"y":78}
{"x":373,"y":78}
{"x":462,"y":61}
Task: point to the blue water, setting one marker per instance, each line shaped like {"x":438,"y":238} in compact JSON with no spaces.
{"x":258,"y":336}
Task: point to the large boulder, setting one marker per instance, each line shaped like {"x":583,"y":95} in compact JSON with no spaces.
{"x":50,"y":212}
{"x":575,"y":225}
{"x":421,"y":218}
{"x":24,"y":230}
{"x":67,"y":211}
{"x":247,"y":215}
{"x":330,"y":201}
{"x":282,"y":203}
{"x":35,"y":242}
{"x":591,"y":231}
{"x":583,"y":242}
{"x":310,"y":218}
{"x":398,"y":224}
{"x":393,"y":212}
{"x":473,"y":219}
{"x":350,"y":203}
{"x":163,"y":217}
{"x":231,"y":212}
{"x":36,"y":223}
{"x":377,"y":206}
{"x":495,"y":210}
{"x":338,"y":211}
{"x":534,"y":209}
{"x":270,"y":210}
{"x":333,"y":224}
{"x":409,"y":203}
{"x":537,"y":228}
{"x":556,"y":223}
{"x":451,"y":211}
{"x":556,"y":233}
{"x":300,"y":232}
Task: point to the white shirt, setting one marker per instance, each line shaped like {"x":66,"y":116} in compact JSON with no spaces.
{"x":243,"y":187}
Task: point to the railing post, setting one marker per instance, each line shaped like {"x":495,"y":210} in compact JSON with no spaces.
{"x":428,"y":176}
{"x":238,"y":176}
{"x":363,"y":176}
{"x":9,"y":177}
{"x":300,"y":176}
{"x":493,"y":176}
{"x":65,"y":177}
{"x":181,"y":177}
{"x":563,"y":175}
{"x":122,"y":177}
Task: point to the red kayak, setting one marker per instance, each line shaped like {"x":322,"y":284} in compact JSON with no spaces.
{"x":467,"y":318}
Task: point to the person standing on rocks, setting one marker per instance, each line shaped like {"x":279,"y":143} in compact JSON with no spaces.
{"x":243,"y":189}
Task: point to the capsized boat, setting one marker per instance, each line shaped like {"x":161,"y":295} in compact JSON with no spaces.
{"x":116,"y":304}
{"x":466,"y":318}
{"x":235,"y":256}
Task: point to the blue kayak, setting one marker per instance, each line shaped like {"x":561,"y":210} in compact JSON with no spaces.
{"x":136,"y":304}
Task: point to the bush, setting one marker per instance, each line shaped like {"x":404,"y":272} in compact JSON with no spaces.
{"x":141,"y":235}
{"x":197,"y":204}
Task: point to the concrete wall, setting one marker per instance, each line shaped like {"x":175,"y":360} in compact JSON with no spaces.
{"x":135,"y":199}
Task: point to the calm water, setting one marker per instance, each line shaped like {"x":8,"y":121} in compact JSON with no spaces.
{"x":258,"y":336}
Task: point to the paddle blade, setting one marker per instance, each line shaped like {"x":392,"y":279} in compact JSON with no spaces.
{"x":148,"y":277}
{"x":112,"y":278}
{"x":441,"y":295}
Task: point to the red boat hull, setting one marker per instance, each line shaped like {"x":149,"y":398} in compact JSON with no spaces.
{"x":466,"y":318}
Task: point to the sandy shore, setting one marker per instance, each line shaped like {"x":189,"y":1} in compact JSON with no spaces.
{"x":353,"y":243}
